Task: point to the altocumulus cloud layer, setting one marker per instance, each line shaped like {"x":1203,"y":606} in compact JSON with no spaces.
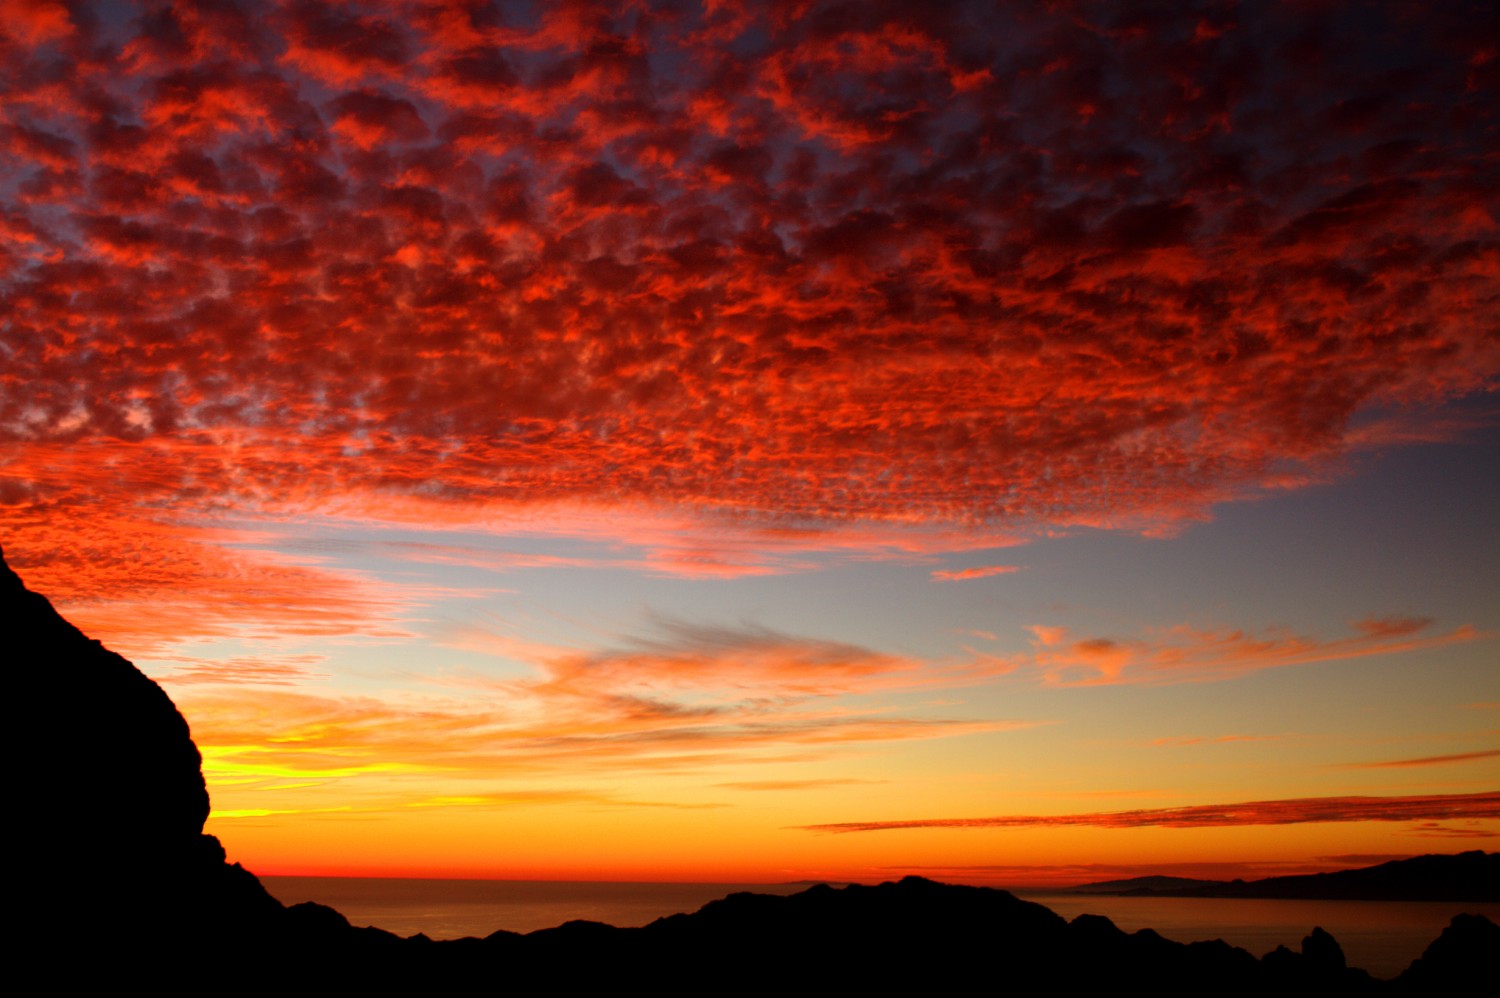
{"x":1101,"y":263}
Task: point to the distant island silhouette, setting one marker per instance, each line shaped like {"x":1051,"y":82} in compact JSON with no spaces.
{"x":118,"y":883}
{"x":1467,"y":877}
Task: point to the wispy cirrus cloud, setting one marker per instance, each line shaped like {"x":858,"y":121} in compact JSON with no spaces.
{"x":393,"y":751}
{"x":150,"y":588}
{"x":1429,"y":807}
{"x":1187,"y":654}
{"x":384,"y":803}
{"x":683,"y":655}
{"x":266,"y":670}
{"x":681,"y":697}
{"x":965,"y":574}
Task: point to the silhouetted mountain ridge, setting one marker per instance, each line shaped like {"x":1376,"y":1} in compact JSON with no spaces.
{"x":119,"y":883}
{"x":1466,"y":877}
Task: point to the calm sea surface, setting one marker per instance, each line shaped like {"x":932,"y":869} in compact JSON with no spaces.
{"x":1383,"y":937}
{"x":451,"y":909}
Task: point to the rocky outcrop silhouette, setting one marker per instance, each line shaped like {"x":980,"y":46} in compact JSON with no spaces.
{"x":119,"y":883}
{"x":111,"y":831}
{"x":132,"y":766}
{"x":1468,"y":951}
{"x":1319,"y":964}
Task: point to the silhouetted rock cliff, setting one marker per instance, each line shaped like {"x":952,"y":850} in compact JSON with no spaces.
{"x":133,"y":777}
{"x":111,"y":834}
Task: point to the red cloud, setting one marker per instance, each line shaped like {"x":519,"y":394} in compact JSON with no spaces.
{"x":34,"y":22}
{"x":867,"y":265}
{"x":337,"y":43}
{"x":368,"y":119}
{"x":1268,"y":812}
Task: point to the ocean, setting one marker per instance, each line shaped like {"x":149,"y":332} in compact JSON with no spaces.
{"x":1382,"y":937}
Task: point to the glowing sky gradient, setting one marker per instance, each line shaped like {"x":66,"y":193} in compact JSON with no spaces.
{"x":658,"y":440}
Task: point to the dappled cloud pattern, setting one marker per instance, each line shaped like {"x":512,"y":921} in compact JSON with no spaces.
{"x":1091,"y":263}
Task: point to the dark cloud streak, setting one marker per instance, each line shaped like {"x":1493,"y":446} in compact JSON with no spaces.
{"x":1430,"y":760}
{"x":1271,"y":812}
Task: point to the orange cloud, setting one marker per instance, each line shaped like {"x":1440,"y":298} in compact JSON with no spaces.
{"x":963,"y":575}
{"x":1273,"y":812}
{"x":1184,"y":654}
{"x":684,"y":669}
{"x":267,"y":670}
{"x":150,"y":588}
{"x":684,"y":697}
{"x":753,"y":659}
{"x":365,"y":753}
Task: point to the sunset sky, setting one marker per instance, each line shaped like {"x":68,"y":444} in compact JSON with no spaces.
{"x":1010,"y":442}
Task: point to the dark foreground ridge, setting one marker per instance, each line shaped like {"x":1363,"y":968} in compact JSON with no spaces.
{"x":119,"y":883}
